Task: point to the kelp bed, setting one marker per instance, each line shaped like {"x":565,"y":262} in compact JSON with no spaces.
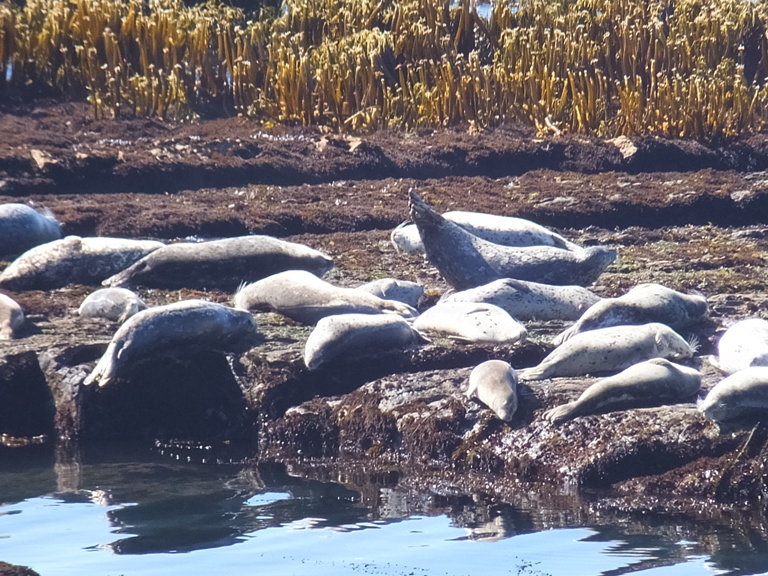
{"x":678,"y":68}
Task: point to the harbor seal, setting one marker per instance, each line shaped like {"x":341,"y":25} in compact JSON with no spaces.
{"x":403,"y":291}
{"x":116,"y":304}
{"x":494,"y":383}
{"x":471,"y":322}
{"x":345,"y":333}
{"x":177,"y":325}
{"x":73,"y":260}
{"x":22,"y":227}
{"x":11,"y":317}
{"x":743,"y":345}
{"x":642,"y":304}
{"x":739,"y":396}
{"x":529,"y":300}
{"x":650,"y":383}
{"x":304,"y":297}
{"x":222,"y":264}
{"x":610,"y":350}
{"x":466,"y":261}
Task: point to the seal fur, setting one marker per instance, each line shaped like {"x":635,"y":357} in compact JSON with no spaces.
{"x":116,"y":304}
{"x":22,"y":227}
{"x":740,"y":395}
{"x":494,"y":383}
{"x":471,"y":322}
{"x":742,"y":345}
{"x":11,"y":317}
{"x":403,"y":291}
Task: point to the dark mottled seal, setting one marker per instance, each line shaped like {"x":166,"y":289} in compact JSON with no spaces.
{"x":11,"y":317}
{"x":403,"y":291}
{"x":494,"y":383}
{"x":743,"y":345}
{"x":741,"y":395}
{"x":222,"y":264}
{"x":466,"y":261}
{"x":116,"y":304}
{"x":23,"y":227}
{"x":471,"y":322}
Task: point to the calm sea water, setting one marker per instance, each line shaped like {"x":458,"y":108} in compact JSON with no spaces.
{"x":133,"y":512}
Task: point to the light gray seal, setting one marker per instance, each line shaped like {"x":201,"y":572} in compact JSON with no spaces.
{"x":403,"y":291}
{"x":494,"y":383}
{"x":177,"y":325}
{"x":347,"y":333}
{"x":610,"y":350}
{"x":73,"y":260}
{"x":530,"y":300}
{"x":116,"y":304}
{"x":650,"y":383}
{"x":23,"y":227}
{"x":743,"y":345}
{"x":304,"y":297}
{"x":466,"y":261}
{"x":471,"y":322}
{"x":642,"y":304}
{"x":738,"y":396}
{"x":11,"y":317}
{"x":222,"y":264}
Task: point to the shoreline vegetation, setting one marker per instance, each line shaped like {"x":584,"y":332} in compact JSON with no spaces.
{"x":672,"y":68}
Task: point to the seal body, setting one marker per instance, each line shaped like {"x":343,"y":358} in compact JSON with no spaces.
{"x":222,"y":264}
{"x":530,"y":300}
{"x":181,"y":324}
{"x":494,"y":383}
{"x":472,"y":322}
{"x":743,"y":345}
{"x":742,"y":394}
{"x":342,"y":334}
{"x":73,"y":260}
{"x":610,"y":350}
{"x":11,"y":317}
{"x":650,"y":383}
{"x":466,"y":261}
{"x":642,"y":304}
{"x":403,"y":291}
{"x":304,"y":297}
{"x":116,"y":304}
{"x":23,"y":227}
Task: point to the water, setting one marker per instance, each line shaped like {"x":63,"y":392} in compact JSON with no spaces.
{"x":131,"y":512}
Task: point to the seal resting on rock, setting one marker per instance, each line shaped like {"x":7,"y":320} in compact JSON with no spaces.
{"x":642,"y":304}
{"x":471,"y":322}
{"x":73,"y":260}
{"x":494,"y":383}
{"x":650,"y":383}
{"x":23,"y":227}
{"x":740,"y":395}
{"x":11,"y":317}
{"x":466,"y":261}
{"x":116,"y":304}
{"x":743,"y":345}
{"x":403,"y":291}
{"x":610,"y":350}
{"x":181,"y":324}
{"x":222,"y":264}
{"x":304,"y":297}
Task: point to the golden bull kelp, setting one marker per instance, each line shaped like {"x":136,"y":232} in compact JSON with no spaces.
{"x":687,"y":68}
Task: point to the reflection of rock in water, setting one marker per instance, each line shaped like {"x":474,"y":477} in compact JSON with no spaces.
{"x":496,"y":529}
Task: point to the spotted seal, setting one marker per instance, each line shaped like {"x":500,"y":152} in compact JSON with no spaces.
{"x":471,"y":322}
{"x":740,"y":395}
{"x":609,"y":350}
{"x":22,"y":227}
{"x":222,"y":264}
{"x":304,"y":297}
{"x":642,"y":304}
{"x":11,"y":317}
{"x":743,"y":345}
{"x":177,"y":325}
{"x":494,"y":383}
{"x":116,"y":304}
{"x":466,"y":261}
{"x":650,"y":383}
{"x":73,"y":260}
{"x":403,"y":291}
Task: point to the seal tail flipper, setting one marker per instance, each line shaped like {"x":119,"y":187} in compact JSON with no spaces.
{"x":535,"y":373}
{"x":565,"y":335}
{"x":715,"y":361}
{"x":562,"y":413}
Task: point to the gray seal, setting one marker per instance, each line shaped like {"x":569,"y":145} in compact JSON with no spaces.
{"x":650,"y":383}
{"x":304,"y":297}
{"x":642,"y":304}
{"x":466,"y":261}
{"x":494,"y":383}
{"x":73,"y":260}
{"x":743,"y":345}
{"x":222,"y":264}
{"x":403,"y":291}
{"x":116,"y":304}
{"x":23,"y":227}
{"x":610,"y":350}
{"x":11,"y":317}
{"x":530,"y":300}
{"x":471,"y":322}
{"x":177,"y":325}
{"x":738,"y":396}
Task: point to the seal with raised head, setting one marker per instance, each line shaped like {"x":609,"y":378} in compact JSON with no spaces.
{"x":740,"y":395}
{"x":116,"y":304}
{"x":22,"y":227}
{"x":743,"y":345}
{"x":651,"y":383}
{"x":529,"y":300}
{"x":177,"y":325}
{"x":471,"y":322}
{"x":466,"y":261}
{"x":73,"y":260}
{"x":494,"y":383}
{"x":304,"y":297}
{"x":610,"y":350}
{"x":11,"y":317}
{"x":222,"y":264}
{"x":642,"y":304}
{"x":403,"y":291}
